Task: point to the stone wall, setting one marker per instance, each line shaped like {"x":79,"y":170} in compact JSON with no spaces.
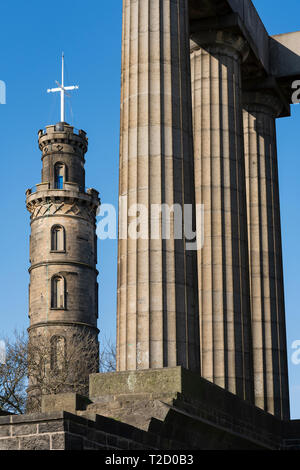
{"x":181,"y":401}
{"x":65,"y":431}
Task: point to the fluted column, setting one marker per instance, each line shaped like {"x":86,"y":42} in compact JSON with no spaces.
{"x":223,"y":275}
{"x":265,"y":253}
{"x":157,"y":323}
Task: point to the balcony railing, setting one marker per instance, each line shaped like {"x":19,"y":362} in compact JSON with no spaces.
{"x":47,"y":186}
{"x":62,"y":128}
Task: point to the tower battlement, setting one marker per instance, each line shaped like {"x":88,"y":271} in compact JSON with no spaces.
{"x":62,"y":133}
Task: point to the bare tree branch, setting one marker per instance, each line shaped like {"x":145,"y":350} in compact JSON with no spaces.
{"x":51,"y":372}
{"x":108,"y":356}
{"x":13,"y":375}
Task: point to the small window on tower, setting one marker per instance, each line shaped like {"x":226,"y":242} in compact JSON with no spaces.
{"x":57,"y":238}
{"x":58,"y":353}
{"x":60,"y":175}
{"x":58,"y":293}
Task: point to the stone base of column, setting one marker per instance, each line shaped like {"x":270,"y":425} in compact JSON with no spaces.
{"x":153,"y":382}
{"x":152,"y":399}
{"x":173,"y":408}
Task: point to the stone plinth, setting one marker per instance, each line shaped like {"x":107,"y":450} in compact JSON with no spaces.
{"x":156,"y":382}
{"x":142,"y":398}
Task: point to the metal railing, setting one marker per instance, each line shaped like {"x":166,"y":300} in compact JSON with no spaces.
{"x":61,"y":128}
{"x":67,"y":186}
{"x":32,"y":190}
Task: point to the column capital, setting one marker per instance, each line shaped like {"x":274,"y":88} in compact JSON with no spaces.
{"x":220,"y":41}
{"x":262,"y":101}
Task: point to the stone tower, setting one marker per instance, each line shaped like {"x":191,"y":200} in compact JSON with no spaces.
{"x":63,"y":291}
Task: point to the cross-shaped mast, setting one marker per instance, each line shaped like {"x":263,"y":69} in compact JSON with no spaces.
{"x":62,"y":89}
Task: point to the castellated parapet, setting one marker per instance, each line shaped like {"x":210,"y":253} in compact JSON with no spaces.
{"x":63,"y":291}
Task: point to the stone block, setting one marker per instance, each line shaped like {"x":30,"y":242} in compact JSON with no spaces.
{"x":9,"y":444}
{"x":23,"y":429}
{"x":70,"y":402}
{"x":4,"y":431}
{"x":51,"y":426}
{"x":58,"y":441}
{"x":158,"y":381}
{"x":35,"y":443}
{"x":4,"y":420}
{"x":35,"y":417}
{"x":157,"y":384}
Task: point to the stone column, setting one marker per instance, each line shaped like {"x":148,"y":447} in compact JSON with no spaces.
{"x":157,"y":322}
{"x":265,"y":253}
{"x":223,"y":273}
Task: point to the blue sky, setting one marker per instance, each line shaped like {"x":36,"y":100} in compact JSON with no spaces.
{"x":32,"y":36}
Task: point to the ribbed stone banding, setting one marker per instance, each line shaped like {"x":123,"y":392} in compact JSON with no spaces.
{"x":223,"y":273}
{"x":265,"y":253}
{"x":157,"y":323}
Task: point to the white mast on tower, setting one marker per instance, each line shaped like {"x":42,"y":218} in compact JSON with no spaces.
{"x":62,"y":89}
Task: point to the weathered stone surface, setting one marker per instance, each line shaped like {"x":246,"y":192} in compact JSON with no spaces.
{"x":23,"y":429}
{"x":5,"y":431}
{"x":58,"y":441}
{"x":157,"y":320}
{"x":223,"y":271}
{"x":35,"y":417}
{"x":285,"y":55}
{"x":73,"y":258}
{"x":35,"y":443}
{"x":250,"y":24}
{"x":159,"y":381}
{"x":9,"y":444}
{"x":136,"y":412}
{"x":278,"y":55}
{"x":64,"y":402}
{"x":52,"y":426}
{"x":197,"y":414}
{"x":217,"y":420}
{"x":265,"y":253}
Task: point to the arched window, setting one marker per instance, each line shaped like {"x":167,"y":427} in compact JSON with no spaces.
{"x":57,"y":238}
{"x":58,"y":353}
{"x":60,"y":175}
{"x":58,"y":292}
